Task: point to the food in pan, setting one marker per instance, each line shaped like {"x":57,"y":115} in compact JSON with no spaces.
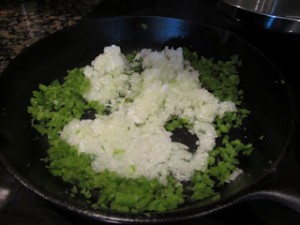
{"x":114,"y":128}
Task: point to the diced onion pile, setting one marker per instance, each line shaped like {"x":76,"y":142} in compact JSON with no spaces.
{"x":132,"y":140}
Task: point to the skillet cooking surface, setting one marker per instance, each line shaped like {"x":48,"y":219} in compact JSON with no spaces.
{"x":266,"y":96}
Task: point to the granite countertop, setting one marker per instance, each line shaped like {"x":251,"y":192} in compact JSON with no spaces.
{"x":23,"y":22}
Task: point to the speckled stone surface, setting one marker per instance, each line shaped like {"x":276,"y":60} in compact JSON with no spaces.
{"x":23,"y":22}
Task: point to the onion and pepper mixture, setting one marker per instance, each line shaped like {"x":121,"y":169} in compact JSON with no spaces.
{"x":142,"y":132}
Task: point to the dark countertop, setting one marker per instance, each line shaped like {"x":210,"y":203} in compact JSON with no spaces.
{"x":23,"y":22}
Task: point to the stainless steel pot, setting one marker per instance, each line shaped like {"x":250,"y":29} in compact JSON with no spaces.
{"x":274,"y":15}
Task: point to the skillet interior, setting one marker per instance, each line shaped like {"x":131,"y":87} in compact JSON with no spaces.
{"x":265,"y":95}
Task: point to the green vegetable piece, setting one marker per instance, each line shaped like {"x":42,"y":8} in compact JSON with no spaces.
{"x":177,"y":122}
{"x":118,"y":152}
{"x":100,"y":109}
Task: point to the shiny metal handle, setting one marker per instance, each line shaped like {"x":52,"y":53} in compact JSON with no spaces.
{"x":286,"y":199}
{"x":281,"y":186}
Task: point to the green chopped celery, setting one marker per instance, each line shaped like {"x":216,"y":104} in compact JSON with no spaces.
{"x":118,"y":152}
{"x":100,"y":109}
{"x":177,"y":122}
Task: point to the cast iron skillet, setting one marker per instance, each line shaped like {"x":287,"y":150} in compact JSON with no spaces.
{"x":266,"y":95}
